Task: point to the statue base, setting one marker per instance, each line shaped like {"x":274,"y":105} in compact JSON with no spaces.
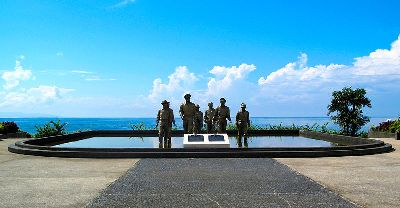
{"x":206,"y":141}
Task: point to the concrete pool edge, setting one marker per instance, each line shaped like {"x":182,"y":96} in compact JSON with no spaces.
{"x":358,"y":146}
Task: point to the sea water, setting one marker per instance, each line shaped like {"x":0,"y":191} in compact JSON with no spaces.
{"x":75,"y":124}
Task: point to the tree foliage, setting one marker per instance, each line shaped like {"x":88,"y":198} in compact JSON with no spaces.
{"x":346,"y":109}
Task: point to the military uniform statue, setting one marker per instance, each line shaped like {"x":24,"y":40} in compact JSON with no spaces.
{"x":242,"y":120}
{"x":198,"y":121}
{"x":208,"y":118}
{"x":187,"y":111}
{"x":222,"y":113}
{"x":165,"y":119}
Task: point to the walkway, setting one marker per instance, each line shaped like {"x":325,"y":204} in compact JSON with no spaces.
{"x":215,"y":183}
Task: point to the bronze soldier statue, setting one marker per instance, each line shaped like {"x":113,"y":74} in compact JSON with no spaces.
{"x":222,"y":113}
{"x":165,"y":118}
{"x":208,"y":117}
{"x":242,"y":120}
{"x":198,"y":121}
{"x":187,"y":111}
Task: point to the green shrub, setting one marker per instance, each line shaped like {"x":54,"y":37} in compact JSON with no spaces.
{"x":395,"y":126}
{"x":384,"y":126}
{"x":2,"y":128}
{"x":140,"y":126}
{"x":51,"y":129}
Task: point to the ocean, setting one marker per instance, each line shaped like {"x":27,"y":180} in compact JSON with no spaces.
{"x":74,"y":124}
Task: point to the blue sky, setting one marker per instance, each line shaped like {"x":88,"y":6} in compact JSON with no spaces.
{"x":120,"y":58}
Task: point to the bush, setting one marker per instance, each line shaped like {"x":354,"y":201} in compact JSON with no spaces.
{"x":395,"y":126}
{"x":389,"y":126}
{"x":9,"y":127}
{"x":2,"y":128}
{"x":139,"y":126}
{"x":384,"y":126}
{"x":51,"y":129}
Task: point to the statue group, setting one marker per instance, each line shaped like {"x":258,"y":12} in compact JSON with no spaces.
{"x":215,"y":119}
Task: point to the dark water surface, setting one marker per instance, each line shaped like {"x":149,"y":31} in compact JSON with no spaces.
{"x":177,"y":142}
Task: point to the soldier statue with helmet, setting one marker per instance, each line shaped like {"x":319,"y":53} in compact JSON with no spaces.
{"x":242,"y":120}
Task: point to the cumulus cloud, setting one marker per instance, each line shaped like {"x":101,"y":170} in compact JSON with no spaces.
{"x":299,"y":72}
{"x":13,"y":78}
{"x":229,"y":82}
{"x":378,"y":67}
{"x":179,"y":82}
{"x":380,"y":62}
{"x":225,"y":76}
{"x":42,"y":94}
{"x":296,"y":87}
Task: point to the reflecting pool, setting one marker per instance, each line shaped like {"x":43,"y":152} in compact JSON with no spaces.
{"x":177,"y":142}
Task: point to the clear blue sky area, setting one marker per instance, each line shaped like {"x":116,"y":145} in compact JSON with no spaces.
{"x":101,"y":58}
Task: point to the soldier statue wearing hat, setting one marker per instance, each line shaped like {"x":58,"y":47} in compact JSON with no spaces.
{"x":222,"y":113}
{"x":208,"y":117}
{"x":165,"y":118}
{"x":187,"y":111}
{"x":242,"y":120}
{"x":198,"y":120}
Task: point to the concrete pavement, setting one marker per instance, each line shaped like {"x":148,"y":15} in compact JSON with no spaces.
{"x":32,"y":181}
{"x":371,"y":181}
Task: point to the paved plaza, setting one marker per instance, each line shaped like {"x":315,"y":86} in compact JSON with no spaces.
{"x":365,"y":181}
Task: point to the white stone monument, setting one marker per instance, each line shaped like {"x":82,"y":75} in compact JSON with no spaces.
{"x":206,"y":141}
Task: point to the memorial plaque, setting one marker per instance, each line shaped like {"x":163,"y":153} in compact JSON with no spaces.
{"x":215,"y":138}
{"x":196,"y":138}
{"x":206,"y":141}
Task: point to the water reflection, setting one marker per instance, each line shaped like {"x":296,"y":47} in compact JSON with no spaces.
{"x":240,"y":144}
{"x":164,"y":144}
{"x":177,"y":142}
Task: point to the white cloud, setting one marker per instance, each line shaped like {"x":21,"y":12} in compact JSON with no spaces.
{"x":306,"y":86}
{"x":295,"y":89}
{"x":377,"y":67}
{"x":123,"y":3}
{"x":380,"y":62}
{"x":299,"y":72}
{"x":60,"y":54}
{"x":13,"y":78}
{"x":225,"y":76}
{"x":42,"y":94}
{"x":179,"y":82}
